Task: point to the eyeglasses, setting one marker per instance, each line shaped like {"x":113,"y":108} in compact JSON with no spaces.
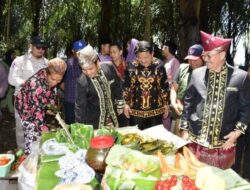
{"x":210,"y":54}
{"x":38,"y":47}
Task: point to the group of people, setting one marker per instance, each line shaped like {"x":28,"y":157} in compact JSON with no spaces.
{"x":207,"y":100}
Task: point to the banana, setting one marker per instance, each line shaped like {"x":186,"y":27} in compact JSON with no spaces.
{"x":191,"y":159}
{"x":166,"y":168}
{"x":182,"y":163}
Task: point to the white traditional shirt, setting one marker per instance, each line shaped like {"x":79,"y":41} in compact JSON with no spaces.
{"x":24,"y":67}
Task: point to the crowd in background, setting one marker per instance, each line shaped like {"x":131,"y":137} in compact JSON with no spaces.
{"x":203,"y":100}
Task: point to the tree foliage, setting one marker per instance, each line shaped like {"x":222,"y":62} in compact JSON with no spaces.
{"x":63,"y":21}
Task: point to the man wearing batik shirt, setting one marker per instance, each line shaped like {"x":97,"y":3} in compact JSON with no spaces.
{"x":216,"y":105}
{"x":146,"y":89}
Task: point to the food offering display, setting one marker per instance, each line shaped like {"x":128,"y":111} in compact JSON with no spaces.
{"x":126,"y":158}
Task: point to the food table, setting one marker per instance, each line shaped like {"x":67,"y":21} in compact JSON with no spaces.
{"x":131,"y":169}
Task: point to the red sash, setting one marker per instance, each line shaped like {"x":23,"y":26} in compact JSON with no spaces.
{"x":215,"y":157}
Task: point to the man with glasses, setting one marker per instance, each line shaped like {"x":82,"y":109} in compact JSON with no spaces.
{"x":21,"y":69}
{"x":216,"y":106}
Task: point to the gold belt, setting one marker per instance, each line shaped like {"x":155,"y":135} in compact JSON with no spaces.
{"x":145,"y":114}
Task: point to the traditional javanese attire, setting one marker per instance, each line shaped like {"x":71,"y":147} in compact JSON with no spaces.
{"x":98,"y":98}
{"x":146,"y":92}
{"x":215,"y":104}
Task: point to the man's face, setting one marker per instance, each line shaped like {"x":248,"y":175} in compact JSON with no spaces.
{"x":37,"y":51}
{"x":195,"y":63}
{"x":91,"y":70}
{"x":115,"y":53}
{"x":214,"y":59}
{"x":145,"y":58}
{"x":105,"y":49}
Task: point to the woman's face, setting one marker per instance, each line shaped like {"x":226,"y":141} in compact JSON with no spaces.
{"x":53,"y":79}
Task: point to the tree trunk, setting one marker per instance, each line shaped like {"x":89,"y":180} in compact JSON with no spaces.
{"x":106,"y":15}
{"x":117,"y":22}
{"x":147,"y":14}
{"x":7,"y":24}
{"x":2,"y":3}
{"x":204,"y":16}
{"x":36,"y":10}
{"x":247,"y":57}
{"x":189,"y":25}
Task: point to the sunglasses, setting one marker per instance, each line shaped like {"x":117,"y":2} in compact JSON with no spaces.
{"x":38,"y":47}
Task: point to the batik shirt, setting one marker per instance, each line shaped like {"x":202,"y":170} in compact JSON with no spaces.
{"x":146,"y":89}
{"x":33,"y":98}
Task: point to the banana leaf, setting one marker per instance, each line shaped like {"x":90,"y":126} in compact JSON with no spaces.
{"x":116,"y":178}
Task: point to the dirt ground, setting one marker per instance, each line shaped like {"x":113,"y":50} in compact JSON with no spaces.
{"x":7,"y":132}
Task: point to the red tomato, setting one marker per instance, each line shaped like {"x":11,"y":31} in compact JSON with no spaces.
{"x":165,"y":186}
{"x":173,"y":180}
{"x":158,"y":185}
{"x":166,"y":181}
{"x":185,"y":179}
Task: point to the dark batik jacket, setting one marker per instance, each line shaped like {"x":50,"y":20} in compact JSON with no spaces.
{"x":146,"y":89}
{"x":216,"y":104}
{"x":98,"y":98}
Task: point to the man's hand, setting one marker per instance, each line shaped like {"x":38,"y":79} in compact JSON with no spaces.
{"x":231,"y":139}
{"x":127,"y":111}
{"x":178,"y":108}
{"x":185,"y":135}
